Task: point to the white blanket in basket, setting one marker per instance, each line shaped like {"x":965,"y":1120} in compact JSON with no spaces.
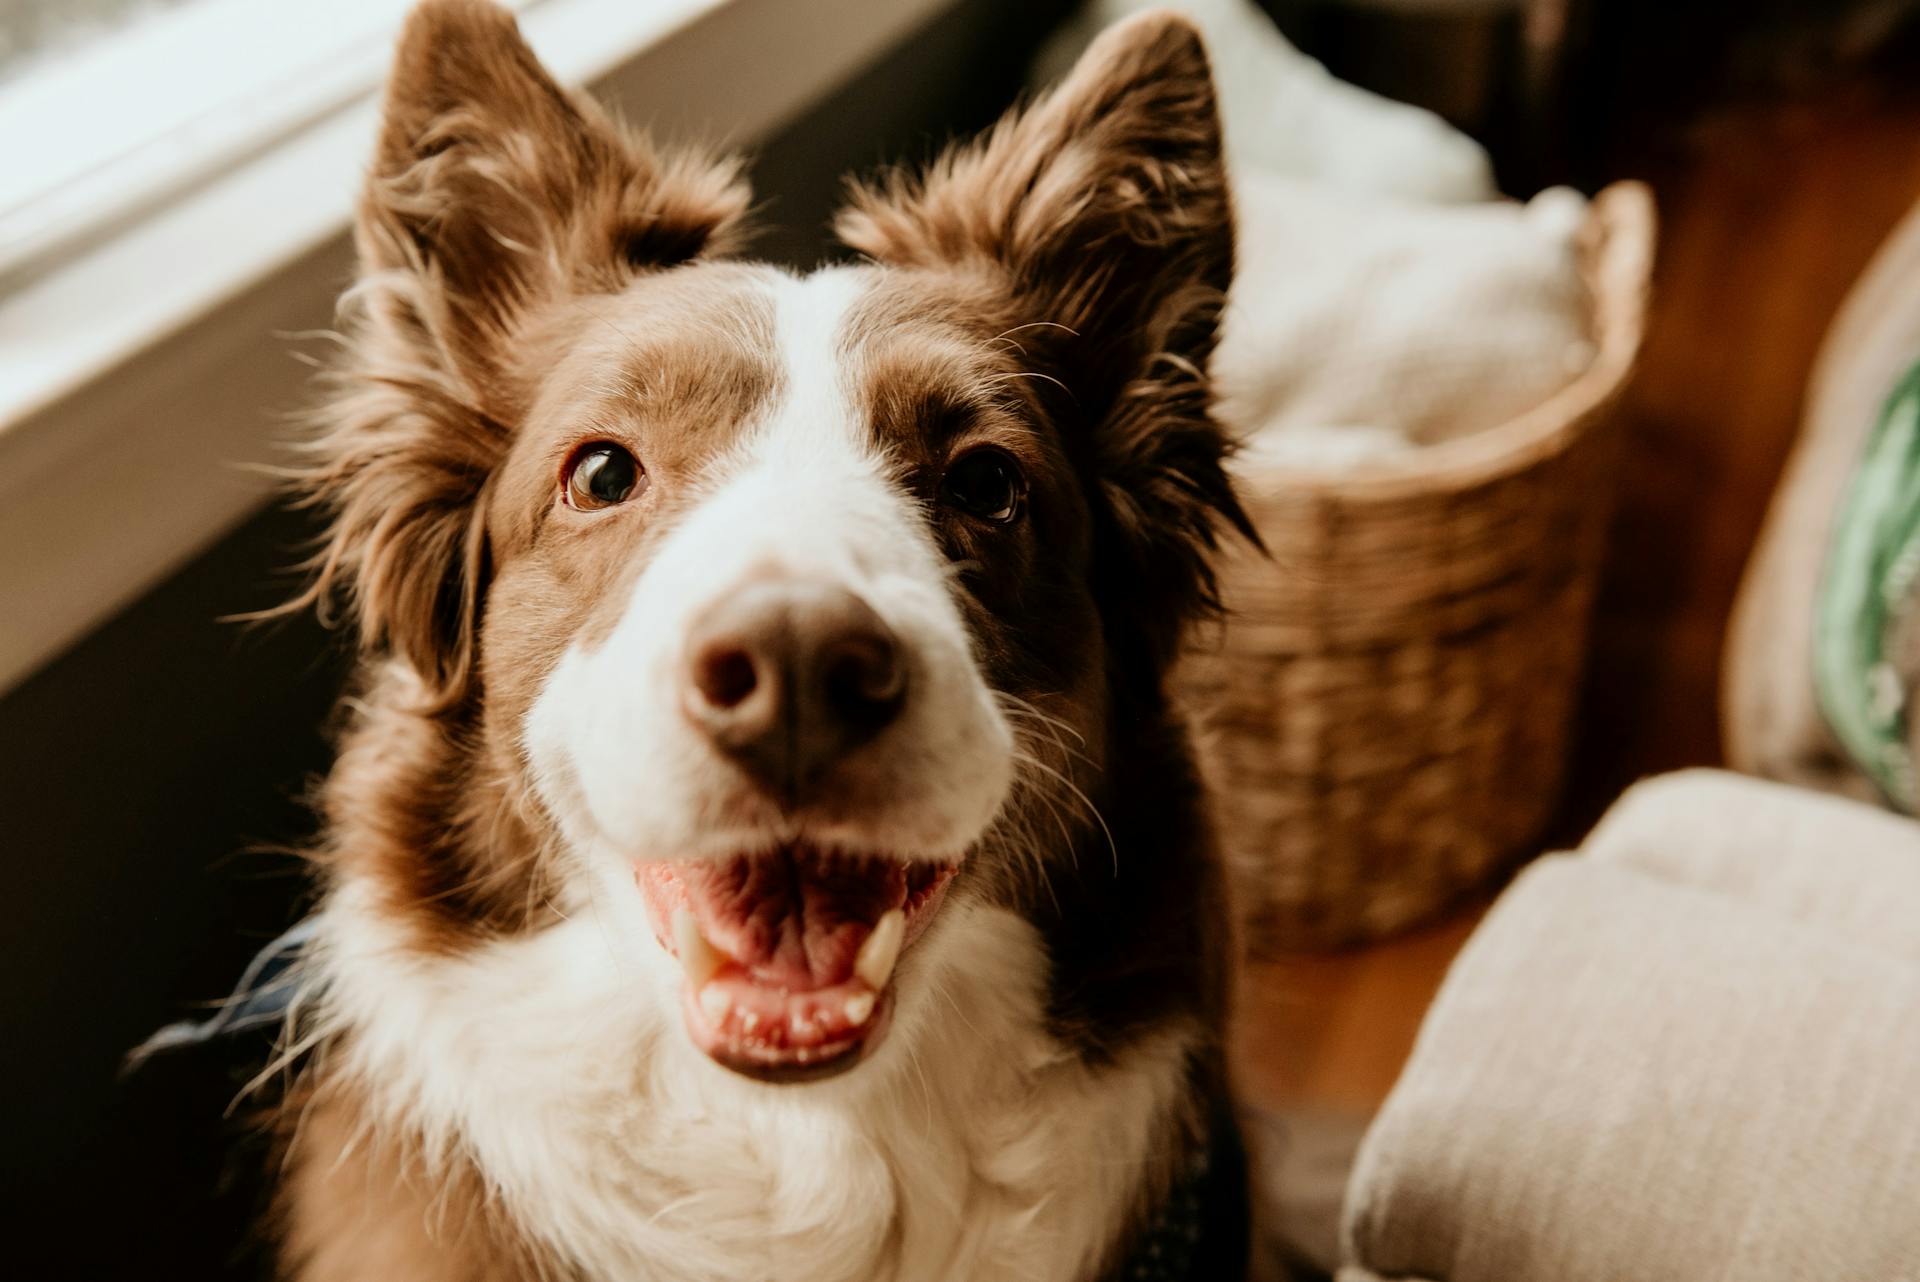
{"x":1285,"y":113}
{"x":1384,"y":298}
{"x":1359,"y":326}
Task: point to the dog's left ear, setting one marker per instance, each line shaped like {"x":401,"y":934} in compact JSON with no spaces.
{"x":1104,"y":210}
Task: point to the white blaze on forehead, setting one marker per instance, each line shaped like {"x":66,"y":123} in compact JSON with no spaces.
{"x":805,"y":488}
{"x":818,"y":411}
{"x":806,"y":493}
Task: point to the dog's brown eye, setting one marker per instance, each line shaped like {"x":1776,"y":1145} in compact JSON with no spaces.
{"x":601,"y":475}
{"x":985,"y":484}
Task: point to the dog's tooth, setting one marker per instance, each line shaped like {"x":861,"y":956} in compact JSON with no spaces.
{"x":716,"y":1004}
{"x":874,"y":964}
{"x":860,"y":1007}
{"x":698,"y":958}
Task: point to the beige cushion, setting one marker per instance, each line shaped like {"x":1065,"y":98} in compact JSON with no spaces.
{"x":1693,"y":1053}
{"x":1851,"y":869}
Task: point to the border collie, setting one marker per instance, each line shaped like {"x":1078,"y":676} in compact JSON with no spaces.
{"x":761,"y":845}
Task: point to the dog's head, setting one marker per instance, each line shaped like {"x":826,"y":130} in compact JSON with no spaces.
{"x":784,"y":605}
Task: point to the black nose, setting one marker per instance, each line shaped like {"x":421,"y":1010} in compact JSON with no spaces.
{"x":787,"y":677}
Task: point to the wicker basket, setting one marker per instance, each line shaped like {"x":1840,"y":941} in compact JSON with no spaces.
{"x":1385,"y":714}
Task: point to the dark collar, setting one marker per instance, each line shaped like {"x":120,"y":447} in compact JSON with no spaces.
{"x":1202,"y":1231}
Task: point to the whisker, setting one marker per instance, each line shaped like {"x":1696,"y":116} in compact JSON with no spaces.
{"x":1015,"y":703}
{"x":1018,"y":709}
{"x":1052,"y":731}
{"x":1093,"y":810}
{"x":1028,"y":848}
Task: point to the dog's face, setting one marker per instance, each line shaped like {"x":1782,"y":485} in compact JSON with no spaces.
{"x":729,"y":621}
{"x":792,"y":606}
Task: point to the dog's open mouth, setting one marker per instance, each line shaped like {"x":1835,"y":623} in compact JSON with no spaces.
{"x":789,"y":955}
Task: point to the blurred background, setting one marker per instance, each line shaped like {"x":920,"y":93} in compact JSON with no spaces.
{"x":176,"y":180}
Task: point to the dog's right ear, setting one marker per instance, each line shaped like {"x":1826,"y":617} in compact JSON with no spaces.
{"x":492,"y":192}
{"x":493,"y":188}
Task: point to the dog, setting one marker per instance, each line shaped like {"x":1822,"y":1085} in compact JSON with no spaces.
{"x":761,"y":843}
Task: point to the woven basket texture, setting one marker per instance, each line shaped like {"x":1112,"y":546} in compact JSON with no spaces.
{"x":1385,"y":713}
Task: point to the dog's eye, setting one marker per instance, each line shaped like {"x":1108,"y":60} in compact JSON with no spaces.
{"x":985,"y":484}
{"x":601,"y":475}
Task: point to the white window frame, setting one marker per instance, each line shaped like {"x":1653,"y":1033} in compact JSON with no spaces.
{"x":100,"y":136}
{"x":146,"y":368}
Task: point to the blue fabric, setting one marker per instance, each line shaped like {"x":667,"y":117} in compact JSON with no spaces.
{"x":260,"y":1000}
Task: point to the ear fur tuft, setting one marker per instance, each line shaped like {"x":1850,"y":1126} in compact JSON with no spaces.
{"x":493,"y":192}
{"x":1103,"y":212}
{"x":497,"y":190}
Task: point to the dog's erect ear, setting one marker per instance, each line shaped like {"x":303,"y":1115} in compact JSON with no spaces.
{"x":492,"y":192}
{"x":497,"y":189}
{"x":1104,"y":209}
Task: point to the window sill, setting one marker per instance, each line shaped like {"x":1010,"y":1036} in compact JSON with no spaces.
{"x":141,"y":377}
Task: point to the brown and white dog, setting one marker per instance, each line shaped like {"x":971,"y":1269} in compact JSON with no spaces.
{"x":762,"y":846}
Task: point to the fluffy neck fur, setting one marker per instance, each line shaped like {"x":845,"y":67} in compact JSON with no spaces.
{"x":496,"y":1096}
{"x":497,"y":1089}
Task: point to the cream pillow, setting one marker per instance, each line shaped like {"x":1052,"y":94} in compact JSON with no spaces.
{"x":1687,"y":1054}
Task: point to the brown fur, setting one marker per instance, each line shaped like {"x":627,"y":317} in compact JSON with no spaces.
{"x":1102,"y":218}
{"x":1087,"y":243}
{"x":536,"y":279}
{"x":358,"y":1206}
{"x":493,"y":193}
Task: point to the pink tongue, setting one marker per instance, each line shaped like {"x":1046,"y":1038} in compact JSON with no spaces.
{"x":795,"y":924}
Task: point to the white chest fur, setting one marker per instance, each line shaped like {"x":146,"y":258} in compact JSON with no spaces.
{"x":972,"y":1146}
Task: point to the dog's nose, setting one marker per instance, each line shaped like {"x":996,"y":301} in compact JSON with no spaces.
{"x":788,"y":677}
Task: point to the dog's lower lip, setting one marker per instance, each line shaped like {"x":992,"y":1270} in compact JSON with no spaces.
{"x":767,"y":1062}
{"x":788,"y":957}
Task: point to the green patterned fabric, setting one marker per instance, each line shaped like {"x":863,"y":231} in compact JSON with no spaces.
{"x":1872,"y":565}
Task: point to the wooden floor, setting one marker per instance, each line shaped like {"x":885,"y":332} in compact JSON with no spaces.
{"x":1769,"y":213}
